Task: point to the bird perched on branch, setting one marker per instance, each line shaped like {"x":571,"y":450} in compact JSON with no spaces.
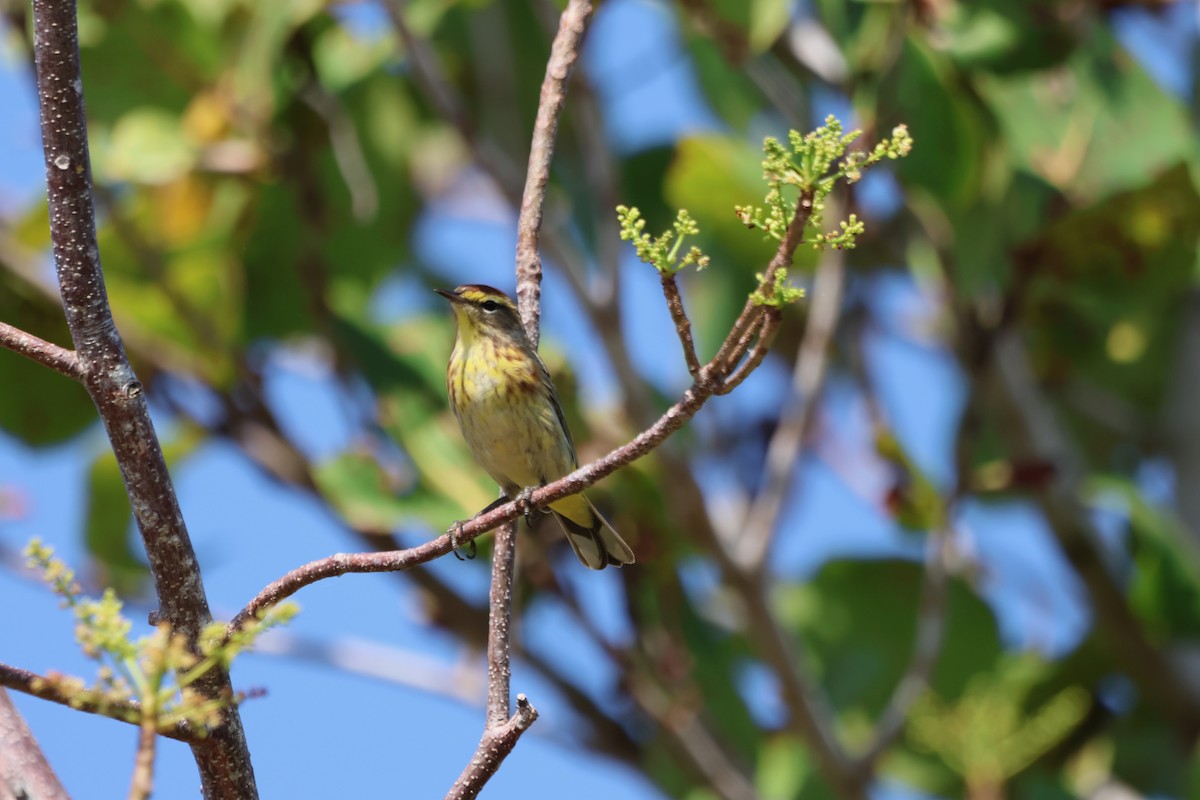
{"x":506,"y":405}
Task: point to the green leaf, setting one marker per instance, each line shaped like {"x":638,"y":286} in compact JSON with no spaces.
{"x":861,"y":641}
{"x":768,"y":20}
{"x":1007,"y":36}
{"x":1164,"y":586}
{"x":784,"y":767}
{"x":1106,"y":128}
{"x":146,"y":145}
{"x":37,"y":405}
{"x":949,"y":127}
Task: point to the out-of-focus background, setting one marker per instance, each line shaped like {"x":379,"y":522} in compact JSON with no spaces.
{"x":986,"y":472}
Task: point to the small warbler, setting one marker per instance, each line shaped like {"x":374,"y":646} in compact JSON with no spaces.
{"x":502,"y":396}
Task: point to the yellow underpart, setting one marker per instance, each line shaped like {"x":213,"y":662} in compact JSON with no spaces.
{"x":508,"y":416}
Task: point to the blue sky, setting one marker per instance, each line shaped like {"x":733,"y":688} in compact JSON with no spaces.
{"x":367,"y":734}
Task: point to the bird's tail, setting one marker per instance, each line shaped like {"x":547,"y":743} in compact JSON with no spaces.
{"x":596,"y":543}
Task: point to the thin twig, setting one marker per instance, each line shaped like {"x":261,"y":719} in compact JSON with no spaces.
{"x":495,"y":746}
{"x":499,"y":653}
{"x":683,"y":326}
{"x":766,"y":336}
{"x":141,"y":786}
{"x":736,"y":344}
{"x":24,"y":771}
{"x":397,"y":560}
{"x":600,"y":171}
{"x":501,"y":732}
{"x":50,"y":688}
{"x":223,"y":758}
{"x":784,"y":449}
{"x":59,"y":359}
{"x":563,"y":55}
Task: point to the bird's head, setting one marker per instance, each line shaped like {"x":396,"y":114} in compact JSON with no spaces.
{"x":480,"y":309}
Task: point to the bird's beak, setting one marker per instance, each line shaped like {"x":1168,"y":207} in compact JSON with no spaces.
{"x":449,"y":295}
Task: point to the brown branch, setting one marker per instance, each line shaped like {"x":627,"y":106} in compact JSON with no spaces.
{"x":142,"y":784}
{"x":24,"y":771}
{"x":563,"y":55}
{"x":784,"y":449}
{"x":766,"y":336}
{"x":57,"y":358}
{"x":398,"y":560}
{"x":50,"y":688}
{"x":736,"y":343}
{"x":501,"y":732}
{"x":222,"y":758}
{"x":494,"y":747}
{"x":499,"y":652}
{"x":683,"y":326}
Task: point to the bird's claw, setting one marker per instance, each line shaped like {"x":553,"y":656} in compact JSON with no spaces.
{"x":525,"y":505}
{"x":455,"y":535}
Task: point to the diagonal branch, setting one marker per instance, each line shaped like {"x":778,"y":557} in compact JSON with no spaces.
{"x":223,"y":758}
{"x":24,"y":771}
{"x":50,"y":688}
{"x":495,"y":746}
{"x":57,"y":358}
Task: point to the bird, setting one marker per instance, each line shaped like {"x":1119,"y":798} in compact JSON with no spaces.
{"x":505,"y":403}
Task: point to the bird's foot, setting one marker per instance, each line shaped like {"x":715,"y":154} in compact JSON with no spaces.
{"x":525,"y":505}
{"x":455,"y":537}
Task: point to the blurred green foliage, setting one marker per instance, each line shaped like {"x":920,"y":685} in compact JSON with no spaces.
{"x":262,"y":166}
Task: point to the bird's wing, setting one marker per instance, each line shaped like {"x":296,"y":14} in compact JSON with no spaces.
{"x":553,"y":397}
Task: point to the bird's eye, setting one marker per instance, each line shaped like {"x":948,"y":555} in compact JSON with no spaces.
{"x":490,"y":305}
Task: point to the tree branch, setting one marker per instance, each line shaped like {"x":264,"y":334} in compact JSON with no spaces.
{"x":223,"y":758}
{"x":50,"y":355}
{"x":24,"y":771}
{"x":500,"y":733}
{"x":736,"y":344}
{"x":683,"y":326}
{"x":499,"y":653}
{"x":563,"y":55}
{"x":495,"y":746}
{"x":50,"y":688}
